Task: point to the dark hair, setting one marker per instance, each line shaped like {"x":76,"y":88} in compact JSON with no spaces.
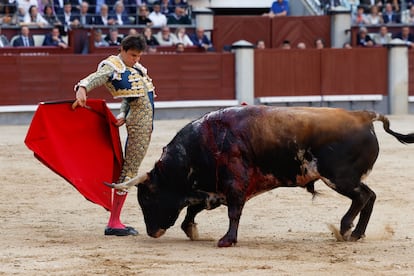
{"x":134,"y":42}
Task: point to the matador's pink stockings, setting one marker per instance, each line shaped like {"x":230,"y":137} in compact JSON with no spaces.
{"x":117,"y":203}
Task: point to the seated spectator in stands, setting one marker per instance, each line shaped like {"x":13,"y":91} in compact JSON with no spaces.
{"x":260,"y":44}
{"x":98,"y":39}
{"x":409,"y":3}
{"x":166,"y":8}
{"x":34,"y":18}
{"x":286,"y":44}
{"x":8,"y":12}
{"x":389,"y":16}
{"x":363,"y":38}
{"x":301,"y":45}
{"x":23,"y":6}
{"x":179,"y":17}
{"x":179,"y":48}
{"x":113,"y":39}
{"x":165,"y":37}
{"x":156,"y":16}
{"x":119,"y":15}
{"x":374,"y":17}
{"x":103,"y":17}
{"x":58,"y":6}
{"x":133,"y":31}
{"x":182,"y":37}
{"x":319,"y":43}
{"x":50,"y":16}
{"x":142,"y":17}
{"x":408,"y":16}
{"x":83,"y":18}
{"x":54,"y":39}
{"x":368,"y":4}
{"x":200,"y":39}
{"x":405,"y":35}
{"x":360,"y":18}
{"x":25,"y":39}
{"x":278,"y":8}
{"x":67,"y":17}
{"x":149,"y":37}
{"x":383,"y":36}
{"x":4,"y":42}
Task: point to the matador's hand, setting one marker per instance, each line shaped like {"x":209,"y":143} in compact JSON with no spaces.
{"x":80,"y":97}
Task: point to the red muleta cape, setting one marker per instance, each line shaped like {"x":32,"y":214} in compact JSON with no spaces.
{"x":80,"y":145}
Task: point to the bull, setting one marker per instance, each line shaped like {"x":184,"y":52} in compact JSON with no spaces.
{"x":231,"y":155}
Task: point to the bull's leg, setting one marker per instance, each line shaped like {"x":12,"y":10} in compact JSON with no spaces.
{"x":189,"y":226}
{"x":365,"y":214}
{"x":363,"y":199}
{"x":234,"y":213}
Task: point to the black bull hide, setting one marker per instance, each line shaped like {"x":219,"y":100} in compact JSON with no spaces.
{"x":231,"y":155}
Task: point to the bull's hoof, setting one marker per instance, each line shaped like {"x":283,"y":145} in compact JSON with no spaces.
{"x":224,"y":242}
{"x":191,"y":231}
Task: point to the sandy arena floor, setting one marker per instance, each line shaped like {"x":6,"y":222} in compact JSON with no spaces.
{"x":48,"y":228}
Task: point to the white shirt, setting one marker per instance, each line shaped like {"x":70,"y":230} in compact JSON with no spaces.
{"x":158,"y":19}
{"x":25,"y":4}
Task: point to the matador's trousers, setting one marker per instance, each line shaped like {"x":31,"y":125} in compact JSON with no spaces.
{"x":139,"y":128}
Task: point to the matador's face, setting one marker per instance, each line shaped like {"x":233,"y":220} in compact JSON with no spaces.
{"x":130,"y":57}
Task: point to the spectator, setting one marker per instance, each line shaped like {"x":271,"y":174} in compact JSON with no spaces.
{"x":301,"y":45}
{"x":165,"y":37}
{"x":34,"y":18}
{"x":408,"y":16}
{"x":119,"y":15}
{"x":389,"y":16}
{"x":182,"y":37}
{"x":54,"y":39}
{"x":150,"y":38}
{"x":113,"y":39}
{"x":260,"y":44}
{"x":383,"y":36}
{"x":319,"y":43}
{"x":374,"y":17}
{"x":200,"y":39}
{"x":368,"y":4}
{"x":103,"y":17}
{"x":165,"y":7}
{"x":360,"y":17}
{"x":24,"y":5}
{"x":133,"y":31}
{"x":50,"y":16}
{"x":409,"y":3}
{"x":405,"y":35}
{"x":278,"y":8}
{"x":8,"y":12}
{"x":347,"y":45}
{"x":285,"y":44}
{"x":179,"y":48}
{"x":98,"y":39}
{"x":25,"y":39}
{"x":142,"y":17}
{"x":157,"y":17}
{"x":364,"y":39}
{"x":84,"y":18}
{"x":67,"y":17}
{"x":58,"y":7}
{"x":179,"y":17}
{"x":4,"y":42}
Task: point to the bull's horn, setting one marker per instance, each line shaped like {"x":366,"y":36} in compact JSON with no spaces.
{"x":124,"y":186}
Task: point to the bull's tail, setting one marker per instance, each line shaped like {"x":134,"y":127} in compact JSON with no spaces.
{"x":403,"y":138}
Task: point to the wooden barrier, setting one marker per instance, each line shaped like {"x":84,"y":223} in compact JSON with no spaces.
{"x":28,"y":80}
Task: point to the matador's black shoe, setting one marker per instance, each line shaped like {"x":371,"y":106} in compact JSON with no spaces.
{"x":127,"y":231}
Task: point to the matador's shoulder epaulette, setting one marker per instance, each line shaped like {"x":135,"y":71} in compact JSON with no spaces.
{"x":115,"y":62}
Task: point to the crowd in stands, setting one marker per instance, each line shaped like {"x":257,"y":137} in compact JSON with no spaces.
{"x":63,"y":15}
{"x":72,"y":13}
